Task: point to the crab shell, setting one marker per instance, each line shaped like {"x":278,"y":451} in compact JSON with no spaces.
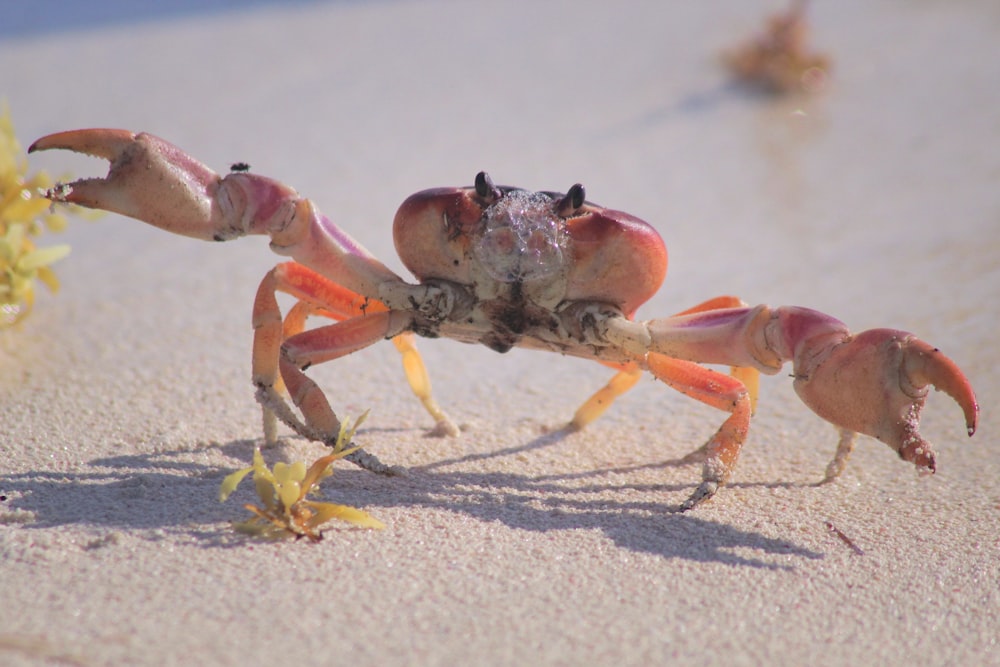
{"x":604,"y":255}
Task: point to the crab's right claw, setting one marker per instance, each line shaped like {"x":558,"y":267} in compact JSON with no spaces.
{"x":152,"y":180}
{"x":149,"y":179}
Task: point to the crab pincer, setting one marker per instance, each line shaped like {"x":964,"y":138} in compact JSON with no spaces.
{"x":149,"y":179}
{"x":876,"y":383}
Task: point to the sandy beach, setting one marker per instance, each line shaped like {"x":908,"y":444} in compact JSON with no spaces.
{"x":126,"y":398}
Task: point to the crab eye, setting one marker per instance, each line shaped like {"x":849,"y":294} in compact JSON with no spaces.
{"x":485,"y":187}
{"x":573,"y":200}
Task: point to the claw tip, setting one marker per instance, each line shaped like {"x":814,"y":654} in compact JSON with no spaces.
{"x":60,"y":192}
{"x":972,"y":421}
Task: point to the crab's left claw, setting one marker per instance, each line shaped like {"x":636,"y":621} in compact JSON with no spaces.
{"x":876,"y":383}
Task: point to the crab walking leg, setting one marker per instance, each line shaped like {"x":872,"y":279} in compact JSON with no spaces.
{"x":338,"y":303}
{"x":629,"y":374}
{"x":595,"y":406}
{"x":317,"y":346}
{"x":875,"y":382}
{"x":270,"y":331}
{"x":295,"y":322}
{"x":413,"y":364}
{"x":719,"y":391}
{"x":322,"y":297}
{"x":420,"y":384}
{"x":321,"y":293}
{"x":845,"y":445}
{"x":748,"y":375}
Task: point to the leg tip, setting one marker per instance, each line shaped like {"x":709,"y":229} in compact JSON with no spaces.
{"x":704,"y":492}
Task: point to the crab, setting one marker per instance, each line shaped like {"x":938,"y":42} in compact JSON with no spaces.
{"x":507,"y":267}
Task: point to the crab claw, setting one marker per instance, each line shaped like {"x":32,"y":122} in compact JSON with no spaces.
{"x":152,"y":180}
{"x":876,"y":383}
{"x":149,"y":179}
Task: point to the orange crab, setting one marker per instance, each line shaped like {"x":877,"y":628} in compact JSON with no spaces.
{"x":507,"y":267}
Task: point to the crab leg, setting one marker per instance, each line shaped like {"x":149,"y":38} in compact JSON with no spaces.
{"x":719,"y":391}
{"x":629,"y":374}
{"x":322,"y":297}
{"x":272,"y":370}
{"x":875,"y":382}
{"x":152,"y":180}
{"x":325,"y":344}
{"x":748,"y":375}
{"x":420,"y":384}
{"x":316,"y":346}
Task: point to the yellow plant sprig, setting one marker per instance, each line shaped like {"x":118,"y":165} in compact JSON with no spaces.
{"x":287,"y":512}
{"x":23,"y":215}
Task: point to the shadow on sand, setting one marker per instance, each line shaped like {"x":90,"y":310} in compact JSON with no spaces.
{"x":169,"y":491}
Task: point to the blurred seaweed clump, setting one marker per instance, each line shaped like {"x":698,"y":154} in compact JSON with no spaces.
{"x":779,"y":60}
{"x":24,"y":215}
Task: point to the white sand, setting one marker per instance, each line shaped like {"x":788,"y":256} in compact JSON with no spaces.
{"x":125,"y":399}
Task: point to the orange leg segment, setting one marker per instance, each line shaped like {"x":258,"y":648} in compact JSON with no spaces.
{"x":595,"y":406}
{"x":420,"y":384}
{"x":361,"y":324}
{"x":719,"y":391}
{"x":629,"y":374}
{"x":750,"y":377}
{"x":325,"y":344}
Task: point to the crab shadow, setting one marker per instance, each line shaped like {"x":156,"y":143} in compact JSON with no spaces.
{"x":166,"y":490}
{"x":172,"y":492}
